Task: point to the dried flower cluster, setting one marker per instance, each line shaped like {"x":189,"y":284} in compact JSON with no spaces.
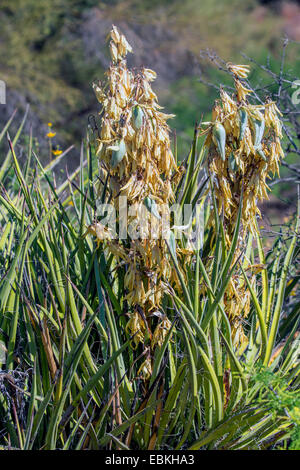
{"x":244,"y":147}
{"x":237,"y":306}
{"x":134,"y":151}
{"x":243,"y":143}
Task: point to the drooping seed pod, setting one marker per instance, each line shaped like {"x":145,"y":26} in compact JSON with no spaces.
{"x":243,"y":122}
{"x":219,"y":138}
{"x":118,"y":154}
{"x":232,"y":162}
{"x":138,"y":117}
{"x":152,"y":207}
{"x":171,"y":242}
{"x":261,"y":153}
{"x":259,"y":129}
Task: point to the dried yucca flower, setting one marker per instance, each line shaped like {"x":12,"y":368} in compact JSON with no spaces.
{"x":244,"y":149}
{"x":134,"y":150}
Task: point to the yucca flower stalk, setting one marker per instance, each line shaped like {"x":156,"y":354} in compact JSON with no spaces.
{"x":244,"y":148}
{"x":135,"y":156}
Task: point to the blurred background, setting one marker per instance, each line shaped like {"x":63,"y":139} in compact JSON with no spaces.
{"x":52,"y":51}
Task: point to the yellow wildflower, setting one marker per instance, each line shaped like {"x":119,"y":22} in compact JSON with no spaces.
{"x":57,"y":152}
{"x":51,"y":135}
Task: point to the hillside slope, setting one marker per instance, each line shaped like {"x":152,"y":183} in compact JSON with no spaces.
{"x":52,"y":51}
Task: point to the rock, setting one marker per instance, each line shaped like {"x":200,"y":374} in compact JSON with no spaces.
{"x":153,"y":45}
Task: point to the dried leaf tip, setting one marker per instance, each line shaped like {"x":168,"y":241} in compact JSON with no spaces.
{"x":241,"y":71}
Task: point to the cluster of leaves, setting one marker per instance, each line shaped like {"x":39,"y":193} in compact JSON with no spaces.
{"x":276,"y":395}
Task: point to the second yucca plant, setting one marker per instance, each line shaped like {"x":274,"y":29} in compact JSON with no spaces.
{"x":243,"y":149}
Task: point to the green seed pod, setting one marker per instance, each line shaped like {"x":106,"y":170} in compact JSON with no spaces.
{"x":259,"y":129}
{"x":232,"y":162}
{"x":219,"y":138}
{"x":243,"y":122}
{"x":152,"y":207}
{"x":171,"y":242}
{"x":138,"y":117}
{"x":117,"y":155}
{"x":261,"y":153}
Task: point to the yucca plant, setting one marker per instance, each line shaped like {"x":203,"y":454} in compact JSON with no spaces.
{"x":90,"y":359}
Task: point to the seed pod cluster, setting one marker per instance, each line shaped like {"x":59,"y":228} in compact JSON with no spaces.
{"x":244,"y":148}
{"x":134,"y":150}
